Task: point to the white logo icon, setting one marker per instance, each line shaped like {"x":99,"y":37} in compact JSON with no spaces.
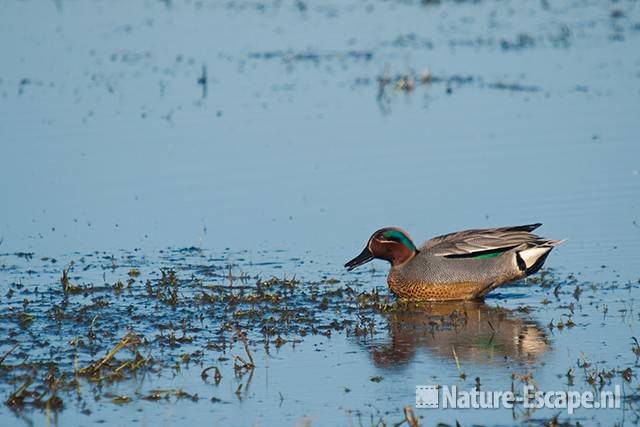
{"x":426,"y":396}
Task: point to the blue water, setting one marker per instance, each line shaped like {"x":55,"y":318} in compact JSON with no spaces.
{"x":109,"y":142}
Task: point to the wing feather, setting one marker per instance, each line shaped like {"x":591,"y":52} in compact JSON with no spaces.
{"x":482,"y":240}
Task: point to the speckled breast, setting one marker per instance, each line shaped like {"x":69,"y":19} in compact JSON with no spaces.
{"x":435,"y":291}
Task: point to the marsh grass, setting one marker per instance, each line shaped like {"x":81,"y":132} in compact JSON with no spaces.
{"x":152,"y":320}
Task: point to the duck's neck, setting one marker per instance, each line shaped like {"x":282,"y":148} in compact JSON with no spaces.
{"x":395,"y":252}
{"x":402,"y":257}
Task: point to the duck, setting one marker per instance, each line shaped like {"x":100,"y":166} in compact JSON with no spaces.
{"x":464,"y":265}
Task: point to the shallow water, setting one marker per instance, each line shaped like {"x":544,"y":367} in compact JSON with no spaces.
{"x":328,"y":352}
{"x":304,"y":139}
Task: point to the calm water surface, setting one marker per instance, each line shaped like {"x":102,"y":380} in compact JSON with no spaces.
{"x":276,"y":136}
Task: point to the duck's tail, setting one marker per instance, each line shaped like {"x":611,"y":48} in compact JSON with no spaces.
{"x":533,"y":255}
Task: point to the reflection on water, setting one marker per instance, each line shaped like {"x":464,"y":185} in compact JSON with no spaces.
{"x":479,"y":333}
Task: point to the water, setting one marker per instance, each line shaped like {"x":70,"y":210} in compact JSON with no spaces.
{"x":294,"y":155}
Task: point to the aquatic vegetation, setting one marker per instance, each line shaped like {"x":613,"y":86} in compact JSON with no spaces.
{"x":157,"y":320}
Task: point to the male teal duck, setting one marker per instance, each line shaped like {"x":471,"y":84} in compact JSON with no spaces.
{"x":458,"y":266}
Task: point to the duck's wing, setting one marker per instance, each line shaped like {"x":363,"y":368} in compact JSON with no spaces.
{"x":479,"y":242}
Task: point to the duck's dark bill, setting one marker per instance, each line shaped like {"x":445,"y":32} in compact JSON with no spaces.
{"x":364,"y":257}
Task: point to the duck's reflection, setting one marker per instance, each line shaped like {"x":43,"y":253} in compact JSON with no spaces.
{"x":477,"y":333}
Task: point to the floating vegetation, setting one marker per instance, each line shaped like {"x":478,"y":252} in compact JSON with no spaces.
{"x":186,"y":310}
{"x":408,"y":82}
{"x":151,"y":321}
{"x":312,"y":56}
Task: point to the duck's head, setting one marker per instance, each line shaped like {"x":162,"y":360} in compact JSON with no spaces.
{"x":391,"y":243}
